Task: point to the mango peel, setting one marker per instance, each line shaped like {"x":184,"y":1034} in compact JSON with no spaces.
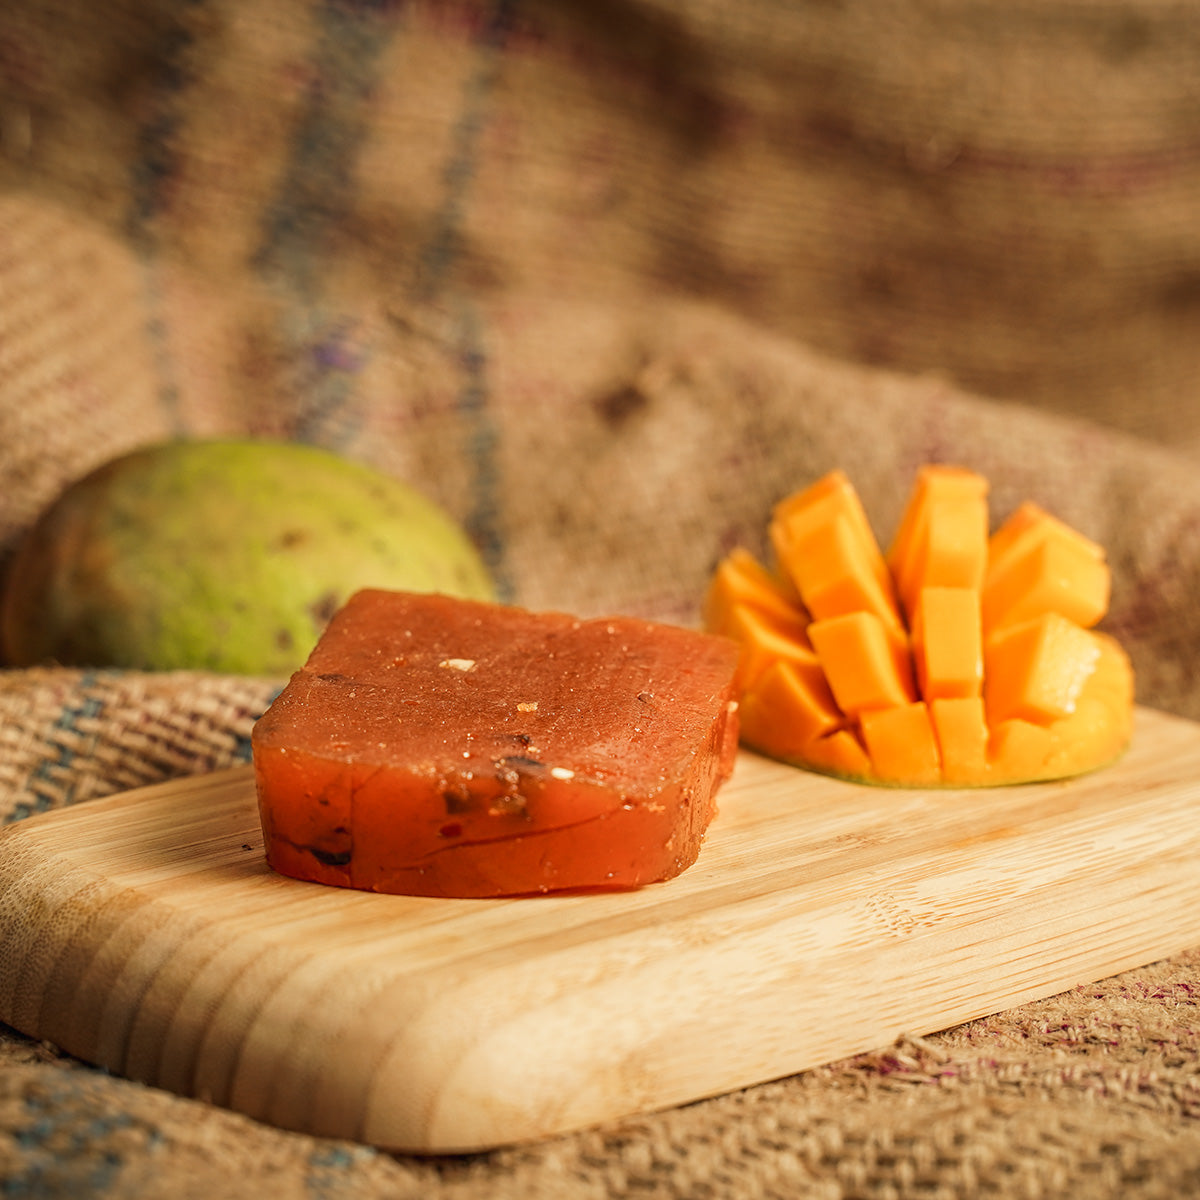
{"x":221,"y":555}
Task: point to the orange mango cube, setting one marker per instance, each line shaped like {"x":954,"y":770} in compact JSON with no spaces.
{"x":789,"y":706}
{"x":1035,"y":671}
{"x":825,"y":545}
{"x":954,"y":550}
{"x":867,"y":664}
{"x":763,"y":643}
{"x":1030,"y":520}
{"x":840,"y":753}
{"x":942,"y":540}
{"x":741,"y":580}
{"x":947,"y":641}
{"x":901,"y":744}
{"x":934,"y":481}
{"x":831,"y":495}
{"x":1018,"y":749}
{"x":961,"y":730}
{"x":1038,"y":565}
{"x":832,"y":571}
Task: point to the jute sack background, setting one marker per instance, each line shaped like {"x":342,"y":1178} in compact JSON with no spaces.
{"x":1006,"y":192}
{"x":606,"y":279}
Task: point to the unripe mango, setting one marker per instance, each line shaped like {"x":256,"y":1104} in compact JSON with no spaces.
{"x":220,"y":555}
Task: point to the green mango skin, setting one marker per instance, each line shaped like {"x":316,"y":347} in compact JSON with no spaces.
{"x":227,"y":556}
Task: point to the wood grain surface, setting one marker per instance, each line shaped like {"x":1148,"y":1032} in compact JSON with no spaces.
{"x":144,"y":932}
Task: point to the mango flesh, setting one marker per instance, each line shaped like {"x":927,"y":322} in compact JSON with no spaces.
{"x":227,"y":556}
{"x":972,"y":661}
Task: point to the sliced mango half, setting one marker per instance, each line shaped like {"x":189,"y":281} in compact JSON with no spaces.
{"x":958,"y":657}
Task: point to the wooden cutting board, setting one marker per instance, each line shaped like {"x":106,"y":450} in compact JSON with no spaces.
{"x":144,"y":932}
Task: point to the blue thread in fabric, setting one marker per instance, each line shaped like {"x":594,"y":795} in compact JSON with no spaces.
{"x":154,"y":166}
{"x":312,"y":201}
{"x":67,"y":1148}
{"x":242,"y":746}
{"x":157,"y":159}
{"x":441,"y":252}
{"x":160,"y":347}
{"x":40,"y":779}
{"x":242,"y":751}
{"x":329,"y":1167}
{"x":443,"y":248}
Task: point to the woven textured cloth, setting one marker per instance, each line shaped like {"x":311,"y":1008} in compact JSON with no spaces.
{"x":606,"y":279}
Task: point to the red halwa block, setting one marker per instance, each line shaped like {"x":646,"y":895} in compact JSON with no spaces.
{"x":442,"y":747}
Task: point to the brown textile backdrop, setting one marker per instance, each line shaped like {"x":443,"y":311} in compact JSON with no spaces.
{"x":606,"y":277}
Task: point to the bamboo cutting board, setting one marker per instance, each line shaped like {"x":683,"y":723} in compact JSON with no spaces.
{"x":145,"y":933}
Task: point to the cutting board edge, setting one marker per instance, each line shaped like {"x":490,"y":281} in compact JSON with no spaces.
{"x":443,"y":1132}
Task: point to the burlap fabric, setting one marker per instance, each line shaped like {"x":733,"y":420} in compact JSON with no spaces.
{"x":605,"y":279}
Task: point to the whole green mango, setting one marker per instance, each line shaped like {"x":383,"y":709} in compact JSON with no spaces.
{"x":220,"y":555}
